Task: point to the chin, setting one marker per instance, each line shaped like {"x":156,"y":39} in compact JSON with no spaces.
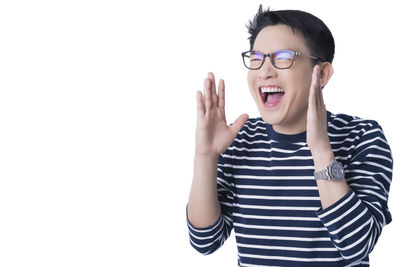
{"x":272,"y":119}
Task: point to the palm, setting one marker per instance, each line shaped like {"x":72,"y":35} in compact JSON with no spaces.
{"x":317,"y":134}
{"x":213,"y":136}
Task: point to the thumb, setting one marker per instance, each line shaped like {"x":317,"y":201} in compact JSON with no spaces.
{"x":238,"y":124}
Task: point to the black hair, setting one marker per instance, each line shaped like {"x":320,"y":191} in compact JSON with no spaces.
{"x":318,"y":38}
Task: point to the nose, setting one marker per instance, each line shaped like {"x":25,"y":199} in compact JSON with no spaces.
{"x":267,"y":70}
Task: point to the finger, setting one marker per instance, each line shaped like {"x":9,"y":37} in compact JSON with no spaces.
{"x":320,"y":100}
{"x":213,"y":89}
{"x":238,"y":124}
{"x":321,"y":97}
{"x":321,"y":92}
{"x":312,"y":98}
{"x":317,"y":83}
{"x":200,"y":104}
{"x":221,"y":94}
{"x":212,"y":78}
{"x":207,"y":94}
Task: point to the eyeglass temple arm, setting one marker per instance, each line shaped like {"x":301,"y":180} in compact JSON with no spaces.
{"x":316,"y":58}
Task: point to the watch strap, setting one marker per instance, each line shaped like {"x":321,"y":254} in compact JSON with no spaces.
{"x":324,"y":173}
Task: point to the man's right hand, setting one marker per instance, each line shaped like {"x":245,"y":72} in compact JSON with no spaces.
{"x":213,"y":135}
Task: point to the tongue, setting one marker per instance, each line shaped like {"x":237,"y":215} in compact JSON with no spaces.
{"x":274,"y":98}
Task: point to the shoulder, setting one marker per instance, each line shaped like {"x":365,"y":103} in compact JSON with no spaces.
{"x":250,"y":135}
{"x":346,"y":124}
{"x":355,"y":133}
{"x":255,"y":121}
{"x":252,"y":126}
{"x":354,"y":138}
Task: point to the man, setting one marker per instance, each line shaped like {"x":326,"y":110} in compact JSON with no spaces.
{"x":299,"y":185}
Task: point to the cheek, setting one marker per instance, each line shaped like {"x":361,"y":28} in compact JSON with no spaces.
{"x":303,"y":80}
{"x":251,"y":79}
{"x":301,"y":88}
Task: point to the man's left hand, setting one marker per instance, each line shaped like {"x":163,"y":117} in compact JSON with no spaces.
{"x":317,"y":132}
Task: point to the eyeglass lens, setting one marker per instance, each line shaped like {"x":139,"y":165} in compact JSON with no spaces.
{"x":280,"y":59}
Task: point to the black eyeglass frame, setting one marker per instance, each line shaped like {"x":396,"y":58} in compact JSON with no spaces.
{"x":272,"y":61}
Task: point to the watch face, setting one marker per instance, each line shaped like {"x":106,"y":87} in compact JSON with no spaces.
{"x":337,"y":170}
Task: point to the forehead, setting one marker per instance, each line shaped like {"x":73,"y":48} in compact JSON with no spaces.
{"x":273,"y":38}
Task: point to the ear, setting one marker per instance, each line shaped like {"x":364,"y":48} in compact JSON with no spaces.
{"x":326,"y":73}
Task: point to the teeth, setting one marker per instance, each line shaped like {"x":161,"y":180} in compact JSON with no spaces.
{"x":271,"y":89}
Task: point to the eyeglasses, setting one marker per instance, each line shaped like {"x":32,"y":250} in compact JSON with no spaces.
{"x":282,"y":59}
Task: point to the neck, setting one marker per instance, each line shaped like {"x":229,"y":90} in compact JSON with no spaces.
{"x":295,"y":127}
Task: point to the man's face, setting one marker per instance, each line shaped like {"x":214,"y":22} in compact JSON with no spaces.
{"x":287,"y":113}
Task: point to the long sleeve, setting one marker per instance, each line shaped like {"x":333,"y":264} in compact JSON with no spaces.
{"x":209,"y":239}
{"x":355,"y":222}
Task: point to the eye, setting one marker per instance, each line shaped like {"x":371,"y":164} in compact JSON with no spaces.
{"x":255,"y":56}
{"x":283,"y":55}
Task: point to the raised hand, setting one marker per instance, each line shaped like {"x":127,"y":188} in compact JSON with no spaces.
{"x":317,"y":132}
{"x":213,"y":135}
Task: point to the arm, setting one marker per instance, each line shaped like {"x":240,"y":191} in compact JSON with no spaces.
{"x":353,"y":210}
{"x":318,"y":140}
{"x":329,"y":191}
{"x":203,"y":205}
{"x":209,"y":238}
{"x":206,"y":227}
{"x":356,"y":220}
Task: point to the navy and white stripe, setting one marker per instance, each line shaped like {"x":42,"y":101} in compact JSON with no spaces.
{"x":269,"y":196}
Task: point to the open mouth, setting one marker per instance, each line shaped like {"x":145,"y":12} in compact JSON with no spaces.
{"x":271,"y":95}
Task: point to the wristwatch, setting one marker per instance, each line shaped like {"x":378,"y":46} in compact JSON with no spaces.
{"x":334,"y":171}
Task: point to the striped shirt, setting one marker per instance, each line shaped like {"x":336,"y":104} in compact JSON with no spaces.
{"x":269,"y":196}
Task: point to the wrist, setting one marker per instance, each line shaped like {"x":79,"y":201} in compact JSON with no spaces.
{"x":322,"y":159}
{"x":205,"y":157}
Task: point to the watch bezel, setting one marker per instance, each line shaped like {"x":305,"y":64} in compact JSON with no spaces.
{"x":336,"y":171}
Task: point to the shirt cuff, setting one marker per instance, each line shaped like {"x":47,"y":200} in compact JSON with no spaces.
{"x":205,"y":231}
{"x":337,"y":205}
{"x":345,"y":219}
{"x":206,"y":239}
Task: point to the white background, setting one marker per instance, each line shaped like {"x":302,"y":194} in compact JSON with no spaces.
{"x":97,"y":119}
